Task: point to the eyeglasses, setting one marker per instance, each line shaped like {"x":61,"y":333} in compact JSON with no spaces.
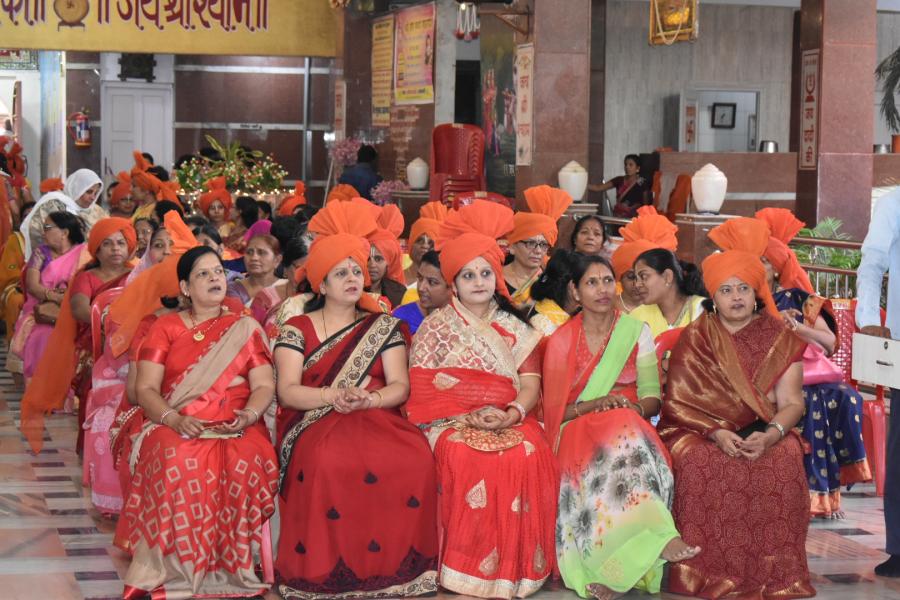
{"x":207,"y":274}
{"x":49,"y":226}
{"x":533,"y":245}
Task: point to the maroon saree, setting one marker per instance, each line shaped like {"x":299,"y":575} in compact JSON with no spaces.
{"x":749,"y":517}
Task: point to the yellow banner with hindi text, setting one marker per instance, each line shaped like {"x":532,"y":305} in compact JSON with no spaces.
{"x":246,"y":27}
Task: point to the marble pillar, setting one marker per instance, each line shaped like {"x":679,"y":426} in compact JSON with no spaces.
{"x":844,"y":32}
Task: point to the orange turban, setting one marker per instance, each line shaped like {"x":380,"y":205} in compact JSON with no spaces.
{"x":141,"y":178}
{"x":646,"y":231}
{"x":547,"y":204}
{"x":626,"y":254}
{"x":431,"y":215}
{"x":104,"y":228}
{"x":341,"y":233}
{"x":168,"y":190}
{"x":141,"y":296}
{"x":784,"y":227}
{"x":741,"y":233}
{"x":746,"y":266}
{"x":53,"y":184}
{"x":215,"y":190}
{"x":472,"y":231}
{"x":342,"y":192}
{"x":122,"y":189}
{"x":290,"y":204}
{"x":386,"y":239}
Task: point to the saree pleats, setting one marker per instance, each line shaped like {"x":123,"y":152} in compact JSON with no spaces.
{"x":358,"y":494}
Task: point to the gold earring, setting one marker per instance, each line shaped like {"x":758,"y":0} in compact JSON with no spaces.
{"x":715,"y":308}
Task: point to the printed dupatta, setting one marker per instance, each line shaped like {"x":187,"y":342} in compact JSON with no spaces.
{"x":356,"y":349}
{"x":603,"y":372}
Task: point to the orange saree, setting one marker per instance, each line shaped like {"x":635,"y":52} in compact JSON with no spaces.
{"x":750,"y":517}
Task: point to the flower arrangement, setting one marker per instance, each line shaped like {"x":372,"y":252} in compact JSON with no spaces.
{"x":248,"y":171}
{"x":383,"y":193}
{"x":339,"y":3}
{"x":343,"y":153}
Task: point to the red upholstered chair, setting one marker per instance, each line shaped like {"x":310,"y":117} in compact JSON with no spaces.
{"x":874,"y":421}
{"x":457,"y":160}
{"x":666,"y":341}
{"x":466,"y":198}
{"x":98,"y":314}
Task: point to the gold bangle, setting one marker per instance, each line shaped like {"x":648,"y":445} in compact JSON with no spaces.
{"x":322,"y":398}
{"x":380,"y":398}
{"x":577,"y":414}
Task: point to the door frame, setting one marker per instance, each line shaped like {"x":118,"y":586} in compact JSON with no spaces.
{"x":106,"y":87}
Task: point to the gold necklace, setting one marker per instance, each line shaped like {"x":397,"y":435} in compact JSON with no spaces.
{"x":199,"y":336}
{"x":325,"y":327}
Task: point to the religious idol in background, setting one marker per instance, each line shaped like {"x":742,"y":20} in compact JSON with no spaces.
{"x":673,"y":21}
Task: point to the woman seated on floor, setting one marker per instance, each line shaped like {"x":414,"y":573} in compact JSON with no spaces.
{"x":204,"y":380}
{"x":733,"y":396}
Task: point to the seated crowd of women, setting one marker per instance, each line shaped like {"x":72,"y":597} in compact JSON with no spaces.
{"x":454,"y":421}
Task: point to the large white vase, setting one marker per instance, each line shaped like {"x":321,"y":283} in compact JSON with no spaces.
{"x":574,"y":179}
{"x":417,"y":174}
{"x":708,"y":186}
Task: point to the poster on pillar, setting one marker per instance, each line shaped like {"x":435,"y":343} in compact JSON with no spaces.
{"x":382,"y":70}
{"x":253,"y":27}
{"x":414,"y":55}
{"x":809,"y":110}
{"x":523,"y":123}
{"x":498,"y":106}
{"x":340,"y":109}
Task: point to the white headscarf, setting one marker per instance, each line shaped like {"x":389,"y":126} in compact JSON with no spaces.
{"x":76,"y":185}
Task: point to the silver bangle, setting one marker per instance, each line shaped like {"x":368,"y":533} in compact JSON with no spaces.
{"x":777,"y":426}
{"x":162,"y":418}
{"x":519,"y":408}
{"x":254,"y":412}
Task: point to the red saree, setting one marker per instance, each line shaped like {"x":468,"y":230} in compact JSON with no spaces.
{"x":87,"y":284}
{"x":358,"y":494}
{"x":497,"y":509}
{"x":750,"y":517}
{"x":195,"y":507}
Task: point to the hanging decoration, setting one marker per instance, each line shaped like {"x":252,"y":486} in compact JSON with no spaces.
{"x":468,"y":25}
{"x":673,"y":21}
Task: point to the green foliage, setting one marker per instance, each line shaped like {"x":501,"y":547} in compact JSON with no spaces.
{"x":838,"y":258}
{"x":247,"y":171}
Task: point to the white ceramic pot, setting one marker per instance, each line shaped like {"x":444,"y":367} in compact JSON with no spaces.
{"x":708,"y":187}
{"x":573,"y":178}
{"x":417,"y":174}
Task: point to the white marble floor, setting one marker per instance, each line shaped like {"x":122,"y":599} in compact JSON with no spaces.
{"x":54,"y":544}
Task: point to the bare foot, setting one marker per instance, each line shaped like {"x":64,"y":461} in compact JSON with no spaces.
{"x":598,"y":591}
{"x":676,"y":550}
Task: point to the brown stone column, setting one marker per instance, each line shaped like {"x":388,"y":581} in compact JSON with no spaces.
{"x":562,"y":84}
{"x":844,"y":31}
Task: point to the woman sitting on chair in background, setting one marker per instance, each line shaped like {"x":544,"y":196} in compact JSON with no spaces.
{"x":632,"y":190}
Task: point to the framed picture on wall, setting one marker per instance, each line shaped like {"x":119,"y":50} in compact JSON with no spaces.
{"x":723,"y":115}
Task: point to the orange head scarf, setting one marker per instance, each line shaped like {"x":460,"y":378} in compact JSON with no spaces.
{"x":470,"y":232}
{"x":16,"y":164}
{"x":647,"y":231}
{"x":547,"y":204}
{"x":431,"y":215}
{"x":168,"y":190}
{"x":52,"y":184}
{"x":784,"y":227}
{"x":141,"y":178}
{"x":342,"y":192}
{"x":341,"y":232}
{"x":291,"y":203}
{"x":48,"y":388}
{"x":215,"y":190}
{"x":122,"y":189}
{"x":141,"y":296}
{"x":104,"y":228}
{"x":741,"y":233}
{"x":385,"y":239}
{"x":746,"y":266}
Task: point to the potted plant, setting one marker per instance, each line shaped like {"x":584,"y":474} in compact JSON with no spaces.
{"x":888,"y":74}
